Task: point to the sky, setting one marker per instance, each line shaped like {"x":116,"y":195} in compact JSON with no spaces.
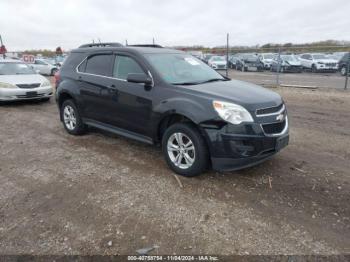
{"x":39,"y":24}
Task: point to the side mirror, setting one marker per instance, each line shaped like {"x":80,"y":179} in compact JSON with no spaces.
{"x":140,"y":79}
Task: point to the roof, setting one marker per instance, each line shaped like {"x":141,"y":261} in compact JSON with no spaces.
{"x":131,"y":49}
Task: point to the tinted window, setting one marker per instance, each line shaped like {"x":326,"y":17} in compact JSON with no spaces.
{"x":99,"y":65}
{"x":125,"y":65}
{"x":38,"y":62}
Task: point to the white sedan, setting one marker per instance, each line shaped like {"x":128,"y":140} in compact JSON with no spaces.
{"x":217,"y":62}
{"x":44,"y":67}
{"x":20,"y":82}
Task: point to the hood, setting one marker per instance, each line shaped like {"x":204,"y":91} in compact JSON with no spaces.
{"x":219,"y":62}
{"x":251,"y":60}
{"x":22,"y":79}
{"x":293,"y":63}
{"x":248,"y":95}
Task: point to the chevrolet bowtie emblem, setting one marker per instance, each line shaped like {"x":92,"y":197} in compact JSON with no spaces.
{"x":280,"y":117}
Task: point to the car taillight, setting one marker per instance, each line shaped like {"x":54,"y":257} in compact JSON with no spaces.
{"x":57,"y":78}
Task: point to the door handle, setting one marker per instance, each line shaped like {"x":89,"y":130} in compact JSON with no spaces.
{"x":113,"y":88}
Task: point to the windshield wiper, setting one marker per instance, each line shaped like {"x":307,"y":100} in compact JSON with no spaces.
{"x":214,"y":80}
{"x":186,"y":83}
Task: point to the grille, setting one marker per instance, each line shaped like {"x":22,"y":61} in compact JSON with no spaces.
{"x":221,"y":66}
{"x":331,"y":64}
{"x":29,"y":86}
{"x":269,"y":110}
{"x":30,"y":96}
{"x":274,"y":128}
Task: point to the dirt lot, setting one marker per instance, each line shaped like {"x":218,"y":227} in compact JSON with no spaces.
{"x":103,"y":194}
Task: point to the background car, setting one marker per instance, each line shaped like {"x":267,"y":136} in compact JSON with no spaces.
{"x":18,"y":81}
{"x":249,"y":62}
{"x":318,"y":62}
{"x":232,"y":61}
{"x":286,"y":63}
{"x":44,"y":67}
{"x":266,"y":59}
{"x":206,"y":57}
{"x":343,"y":63}
{"x":218,"y":62}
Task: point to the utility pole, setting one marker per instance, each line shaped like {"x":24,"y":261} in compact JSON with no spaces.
{"x":227,"y":47}
{"x":278,"y":67}
{"x":347,"y":72}
{"x":126,"y":42}
{"x":153,"y":41}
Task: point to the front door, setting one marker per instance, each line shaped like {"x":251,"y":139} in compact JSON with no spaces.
{"x":130,"y":104}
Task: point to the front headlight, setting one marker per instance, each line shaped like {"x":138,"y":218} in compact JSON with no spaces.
{"x":45,"y":83}
{"x":232,"y":113}
{"x":6,"y":85}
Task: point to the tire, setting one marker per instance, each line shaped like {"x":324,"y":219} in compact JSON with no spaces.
{"x":54,"y":71}
{"x":79,"y":127}
{"x":199,"y":156}
{"x":313,"y":69}
{"x":343,"y":70}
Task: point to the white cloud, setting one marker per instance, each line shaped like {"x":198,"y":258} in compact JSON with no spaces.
{"x":51,"y":23}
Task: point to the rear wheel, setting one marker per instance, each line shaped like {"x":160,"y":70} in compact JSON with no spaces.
{"x":185,"y":150}
{"x":72,"y":121}
{"x":54,"y":71}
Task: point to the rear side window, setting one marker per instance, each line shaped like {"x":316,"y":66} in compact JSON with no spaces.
{"x":99,"y":65}
{"x":124,"y":65}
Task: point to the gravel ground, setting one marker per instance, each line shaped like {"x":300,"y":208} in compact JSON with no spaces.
{"x":103,"y":194}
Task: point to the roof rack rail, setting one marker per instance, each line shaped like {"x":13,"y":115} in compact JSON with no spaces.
{"x":147,"y":45}
{"x":101,"y":45}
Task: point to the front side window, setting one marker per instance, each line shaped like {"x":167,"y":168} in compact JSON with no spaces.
{"x":99,"y":65}
{"x":124,"y":65}
{"x":182,"y":68}
{"x":38,"y":62}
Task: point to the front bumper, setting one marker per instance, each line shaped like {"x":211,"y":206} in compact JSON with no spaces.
{"x":218,"y":67}
{"x":325,"y":67}
{"x":292,"y":68}
{"x":237,"y":147}
{"x":15,"y":94}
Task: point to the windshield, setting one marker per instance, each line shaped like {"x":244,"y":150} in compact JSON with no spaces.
{"x":268,"y":56}
{"x":291,"y":58}
{"x":249,"y":56}
{"x":15,"y":69}
{"x":182,"y":68}
{"x":218,"y":58}
{"x":319,"y":56}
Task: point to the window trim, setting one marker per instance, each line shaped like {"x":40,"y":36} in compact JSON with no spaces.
{"x":118,"y":54}
{"x":109,"y":77}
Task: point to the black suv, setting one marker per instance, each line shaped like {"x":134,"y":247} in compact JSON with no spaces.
{"x":167,"y":97}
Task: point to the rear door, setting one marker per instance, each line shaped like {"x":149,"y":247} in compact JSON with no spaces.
{"x":94,"y":78}
{"x":130,"y":104}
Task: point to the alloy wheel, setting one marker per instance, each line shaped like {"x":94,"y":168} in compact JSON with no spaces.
{"x":69,"y":117}
{"x":181,"y":150}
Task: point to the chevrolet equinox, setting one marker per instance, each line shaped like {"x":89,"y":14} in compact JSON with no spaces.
{"x":166,"y":97}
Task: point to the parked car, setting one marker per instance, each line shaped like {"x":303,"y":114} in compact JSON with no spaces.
{"x":266,"y":59}
{"x":206,"y":57}
{"x":286,"y":63}
{"x":249,"y":62}
{"x":167,"y":97}
{"x":44,"y":67}
{"x":232,"y":61}
{"x":18,"y":81}
{"x":343,"y":63}
{"x":218,"y":62}
{"x":318,"y":62}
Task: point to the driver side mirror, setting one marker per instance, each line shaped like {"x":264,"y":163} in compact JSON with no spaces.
{"x":139,"y":79}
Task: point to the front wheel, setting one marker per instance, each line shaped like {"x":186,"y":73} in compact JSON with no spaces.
{"x":185,"y":150}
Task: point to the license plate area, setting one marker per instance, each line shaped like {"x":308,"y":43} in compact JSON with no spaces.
{"x":31,"y":94}
{"x":281,"y":142}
